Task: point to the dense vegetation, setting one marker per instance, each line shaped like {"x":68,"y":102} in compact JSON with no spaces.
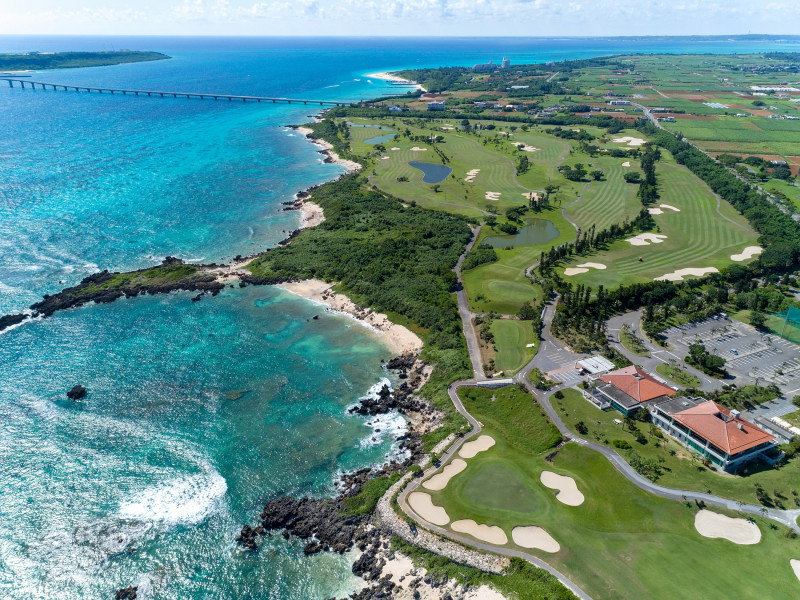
{"x":70,"y":60}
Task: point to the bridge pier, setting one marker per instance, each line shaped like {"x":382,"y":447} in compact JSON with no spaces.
{"x":10,"y":83}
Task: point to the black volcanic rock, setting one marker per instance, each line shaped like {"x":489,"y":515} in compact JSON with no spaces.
{"x":128,"y":593}
{"x":9,"y":320}
{"x":76,"y":393}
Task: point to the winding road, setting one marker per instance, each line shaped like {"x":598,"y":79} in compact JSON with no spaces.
{"x":784,"y":517}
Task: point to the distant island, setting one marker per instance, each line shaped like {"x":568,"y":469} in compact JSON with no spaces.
{"x":72,"y":60}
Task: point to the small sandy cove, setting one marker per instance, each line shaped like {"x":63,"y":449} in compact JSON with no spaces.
{"x":584,"y":268}
{"x":714,"y":525}
{"x":401,"y":570}
{"x":350,"y":165}
{"x":534,"y":537}
{"x":311,"y":215}
{"x":439,"y":481}
{"x":568,"y":492}
{"x":399,"y":338}
{"x":423,"y":505}
{"x":491,"y":534}
{"x":393,"y":78}
{"x":747,"y":253}
{"x":470,"y":449}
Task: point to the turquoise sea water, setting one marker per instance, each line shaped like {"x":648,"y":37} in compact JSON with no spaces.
{"x":197,"y":413}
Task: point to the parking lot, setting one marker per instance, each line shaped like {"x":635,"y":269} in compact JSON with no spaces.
{"x":749,"y":354}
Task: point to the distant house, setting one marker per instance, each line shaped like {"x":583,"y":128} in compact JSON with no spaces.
{"x":667,"y":119}
{"x":484,"y":67}
{"x":775,"y":88}
{"x":778,"y":162}
{"x":627,"y":389}
{"x":619,"y":102}
{"x":436,"y":105}
{"x":395,"y":109}
{"x":595,"y":364}
{"x":712,"y":431}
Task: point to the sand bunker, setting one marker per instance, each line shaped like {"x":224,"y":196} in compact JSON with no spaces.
{"x":470,"y":449}
{"x":631,"y":141}
{"x":418,"y":149}
{"x":655,"y":211}
{"x":385,"y":157}
{"x":747,"y":254}
{"x":645,"y":239}
{"x":471,"y":175}
{"x":627,"y":163}
{"x":526,"y":148}
{"x":534,"y":537}
{"x":670,"y":207}
{"x":491,"y":534}
{"x":584,"y":268}
{"x":681,"y":273}
{"x":568,"y":492}
{"x":440,"y":481}
{"x":714,"y":525}
{"x":395,"y":148}
{"x":493,"y":195}
{"x":795,"y":567}
{"x":425,"y":508}
{"x":447,"y":128}
{"x":532,"y":196}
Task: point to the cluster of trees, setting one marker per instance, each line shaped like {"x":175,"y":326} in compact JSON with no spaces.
{"x":700,"y":357}
{"x":574,"y":173}
{"x":779,"y":232}
{"x":66,"y":60}
{"x":523,"y":164}
{"x":591,"y":240}
{"x":385,"y":255}
{"x":648,"y":187}
{"x":571,"y":134}
{"x":479,"y":256}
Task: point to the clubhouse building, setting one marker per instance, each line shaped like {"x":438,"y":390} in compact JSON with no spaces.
{"x":627,"y":389}
{"x":712,"y":431}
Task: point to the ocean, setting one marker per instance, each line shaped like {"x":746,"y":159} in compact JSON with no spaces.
{"x":197,"y":412}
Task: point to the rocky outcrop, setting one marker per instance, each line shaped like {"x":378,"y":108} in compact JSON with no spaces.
{"x":76,"y":393}
{"x":11,"y":320}
{"x":128,"y":593}
{"x":105,"y":287}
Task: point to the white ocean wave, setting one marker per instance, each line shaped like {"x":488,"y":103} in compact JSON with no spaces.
{"x":186,"y":499}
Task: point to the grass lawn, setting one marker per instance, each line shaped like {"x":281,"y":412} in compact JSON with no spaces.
{"x":511,"y":338}
{"x":679,"y":471}
{"x":632,"y":342}
{"x":621,"y":543}
{"x":793,"y":418}
{"x":679,"y":376}
{"x":697,"y":236}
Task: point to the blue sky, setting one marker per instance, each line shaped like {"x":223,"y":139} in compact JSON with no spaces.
{"x":400,"y":17}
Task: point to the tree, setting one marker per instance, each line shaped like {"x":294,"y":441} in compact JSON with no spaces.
{"x":597,"y":174}
{"x":757,"y":319}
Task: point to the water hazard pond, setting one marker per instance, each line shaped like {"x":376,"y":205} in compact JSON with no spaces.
{"x":433,"y":173}
{"x":537,"y":231}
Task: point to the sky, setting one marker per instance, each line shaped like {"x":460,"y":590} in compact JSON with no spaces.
{"x":535,"y":18}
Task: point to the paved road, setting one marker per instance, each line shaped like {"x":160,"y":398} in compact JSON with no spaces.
{"x":402,"y":500}
{"x":658,"y":355}
{"x":466,"y":315}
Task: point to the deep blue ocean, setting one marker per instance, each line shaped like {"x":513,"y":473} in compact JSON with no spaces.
{"x":197,"y":413}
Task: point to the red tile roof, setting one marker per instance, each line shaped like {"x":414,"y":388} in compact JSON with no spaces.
{"x":637,"y":384}
{"x":715,"y":423}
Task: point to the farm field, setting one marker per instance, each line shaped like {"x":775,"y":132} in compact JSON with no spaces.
{"x":620,"y":542}
{"x":697,"y":235}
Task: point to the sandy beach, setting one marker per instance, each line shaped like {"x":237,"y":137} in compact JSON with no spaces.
{"x":311,"y":215}
{"x":351,"y":165}
{"x":399,"y":338}
{"x":393,"y":78}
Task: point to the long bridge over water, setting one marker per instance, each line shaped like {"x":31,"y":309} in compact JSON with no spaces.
{"x":24,"y":83}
